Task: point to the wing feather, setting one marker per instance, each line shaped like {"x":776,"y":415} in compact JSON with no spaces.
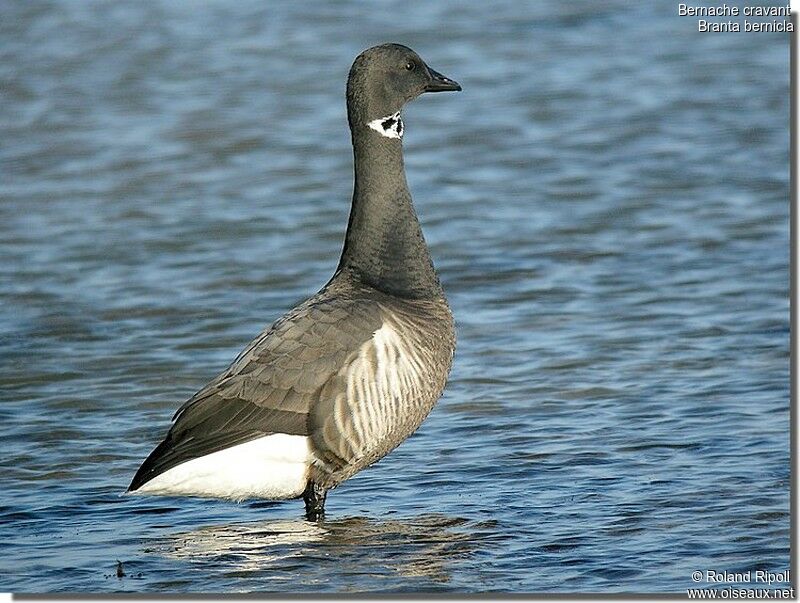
{"x":354,"y":374}
{"x":272,"y":385}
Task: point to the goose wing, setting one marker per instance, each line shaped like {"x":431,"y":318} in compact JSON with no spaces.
{"x":272,"y":386}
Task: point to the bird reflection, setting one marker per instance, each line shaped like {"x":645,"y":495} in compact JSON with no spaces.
{"x":422,"y":547}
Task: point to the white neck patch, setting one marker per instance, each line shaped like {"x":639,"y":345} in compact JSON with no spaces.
{"x":390,"y":126}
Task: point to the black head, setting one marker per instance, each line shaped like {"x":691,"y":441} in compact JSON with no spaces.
{"x":384,"y":78}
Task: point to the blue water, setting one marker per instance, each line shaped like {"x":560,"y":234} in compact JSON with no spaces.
{"x":607,"y":205}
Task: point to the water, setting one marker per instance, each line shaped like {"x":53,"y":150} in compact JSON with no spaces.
{"x":607,"y":205}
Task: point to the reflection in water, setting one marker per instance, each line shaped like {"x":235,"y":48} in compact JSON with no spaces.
{"x":252,"y":545}
{"x":422,"y":547}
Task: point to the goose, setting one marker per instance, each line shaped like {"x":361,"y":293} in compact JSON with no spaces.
{"x":343,"y":378}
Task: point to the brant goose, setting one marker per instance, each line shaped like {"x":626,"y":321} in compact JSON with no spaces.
{"x":346,"y":376}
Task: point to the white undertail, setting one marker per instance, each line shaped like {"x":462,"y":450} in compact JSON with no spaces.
{"x":273,"y":467}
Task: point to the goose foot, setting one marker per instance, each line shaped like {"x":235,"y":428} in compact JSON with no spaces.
{"x":314,"y":497}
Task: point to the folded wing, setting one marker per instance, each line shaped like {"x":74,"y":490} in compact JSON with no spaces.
{"x":273,"y":386}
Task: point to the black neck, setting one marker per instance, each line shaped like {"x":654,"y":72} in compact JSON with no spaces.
{"x":384,"y":246}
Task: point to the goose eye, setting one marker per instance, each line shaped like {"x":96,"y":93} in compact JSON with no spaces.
{"x":410,"y":65}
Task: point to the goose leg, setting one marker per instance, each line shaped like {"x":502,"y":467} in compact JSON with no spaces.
{"x":314,"y":497}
